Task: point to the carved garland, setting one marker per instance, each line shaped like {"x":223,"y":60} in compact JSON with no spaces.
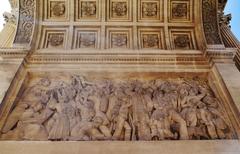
{"x":210,"y":27}
{"x":26,"y":21}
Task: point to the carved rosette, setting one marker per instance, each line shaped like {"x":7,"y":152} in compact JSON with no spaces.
{"x":180,"y":10}
{"x":182,"y":41}
{"x":119,"y":8}
{"x":119,"y":40}
{"x":150,"y":9}
{"x":88,"y":9}
{"x":56,"y":40}
{"x":151,"y":41}
{"x":58,"y":9}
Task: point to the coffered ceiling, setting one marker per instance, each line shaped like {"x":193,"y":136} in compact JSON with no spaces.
{"x":119,"y":24}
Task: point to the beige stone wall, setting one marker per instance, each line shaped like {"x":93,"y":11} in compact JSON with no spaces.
{"x":7,"y":73}
{"x":165,"y":147}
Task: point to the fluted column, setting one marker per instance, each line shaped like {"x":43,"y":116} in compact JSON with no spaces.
{"x":7,"y":35}
{"x":237,"y":59}
{"x":230,"y":41}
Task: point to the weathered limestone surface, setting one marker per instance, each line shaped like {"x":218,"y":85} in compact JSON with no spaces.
{"x":7,"y":73}
{"x":231,"y":77}
{"x":162,"y":36}
{"x":75,"y":108}
{"x":165,"y":147}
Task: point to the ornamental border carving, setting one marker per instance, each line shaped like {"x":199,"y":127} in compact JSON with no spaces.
{"x":112,"y":59}
{"x":210,"y":23}
{"x":26,"y":22}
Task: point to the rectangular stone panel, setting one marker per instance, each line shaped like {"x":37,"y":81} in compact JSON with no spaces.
{"x":88,"y":10}
{"x":56,"y":10}
{"x":151,"y":38}
{"x":119,"y":10}
{"x":180,"y":11}
{"x":183,"y":39}
{"x":54,"y":37}
{"x":119,"y":37}
{"x":87,"y":37}
{"x":150,"y":10}
{"x":90,"y":106}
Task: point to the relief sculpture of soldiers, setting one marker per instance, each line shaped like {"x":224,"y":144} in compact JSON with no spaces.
{"x":78,"y":109}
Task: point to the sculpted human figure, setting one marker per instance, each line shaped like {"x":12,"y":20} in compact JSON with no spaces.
{"x":61,"y":127}
{"x":207,"y":118}
{"x":121,"y":121}
{"x":141,"y":118}
{"x":166,"y":107}
{"x":97,"y":105}
{"x":160,"y":126}
{"x":14,"y":117}
{"x":94,"y":130}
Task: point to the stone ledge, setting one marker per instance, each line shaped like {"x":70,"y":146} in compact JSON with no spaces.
{"x":111,"y":147}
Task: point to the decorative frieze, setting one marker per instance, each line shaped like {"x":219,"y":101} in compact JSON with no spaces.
{"x":210,"y":22}
{"x":26,"y":21}
{"x":65,"y":107}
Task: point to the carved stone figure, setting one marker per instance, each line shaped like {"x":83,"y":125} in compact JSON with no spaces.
{"x":80,"y":110}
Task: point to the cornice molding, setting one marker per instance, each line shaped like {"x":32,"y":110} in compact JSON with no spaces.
{"x":13,"y":53}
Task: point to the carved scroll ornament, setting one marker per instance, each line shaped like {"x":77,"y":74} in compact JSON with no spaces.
{"x":25,"y":22}
{"x":210,"y":22}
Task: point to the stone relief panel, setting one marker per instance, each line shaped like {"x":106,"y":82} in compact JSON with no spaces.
{"x":151,"y":38}
{"x":78,"y":108}
{"x":88,"y":10}
{"x":150,"y":10}
{"x":57,"y":10}
{"x":182,"y":39}
{"x":87,"y":37}
{"x":180,"y":11}
{"x":54,"y":38}
{"x":119,"y":10}
{"x":119,"y":37}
